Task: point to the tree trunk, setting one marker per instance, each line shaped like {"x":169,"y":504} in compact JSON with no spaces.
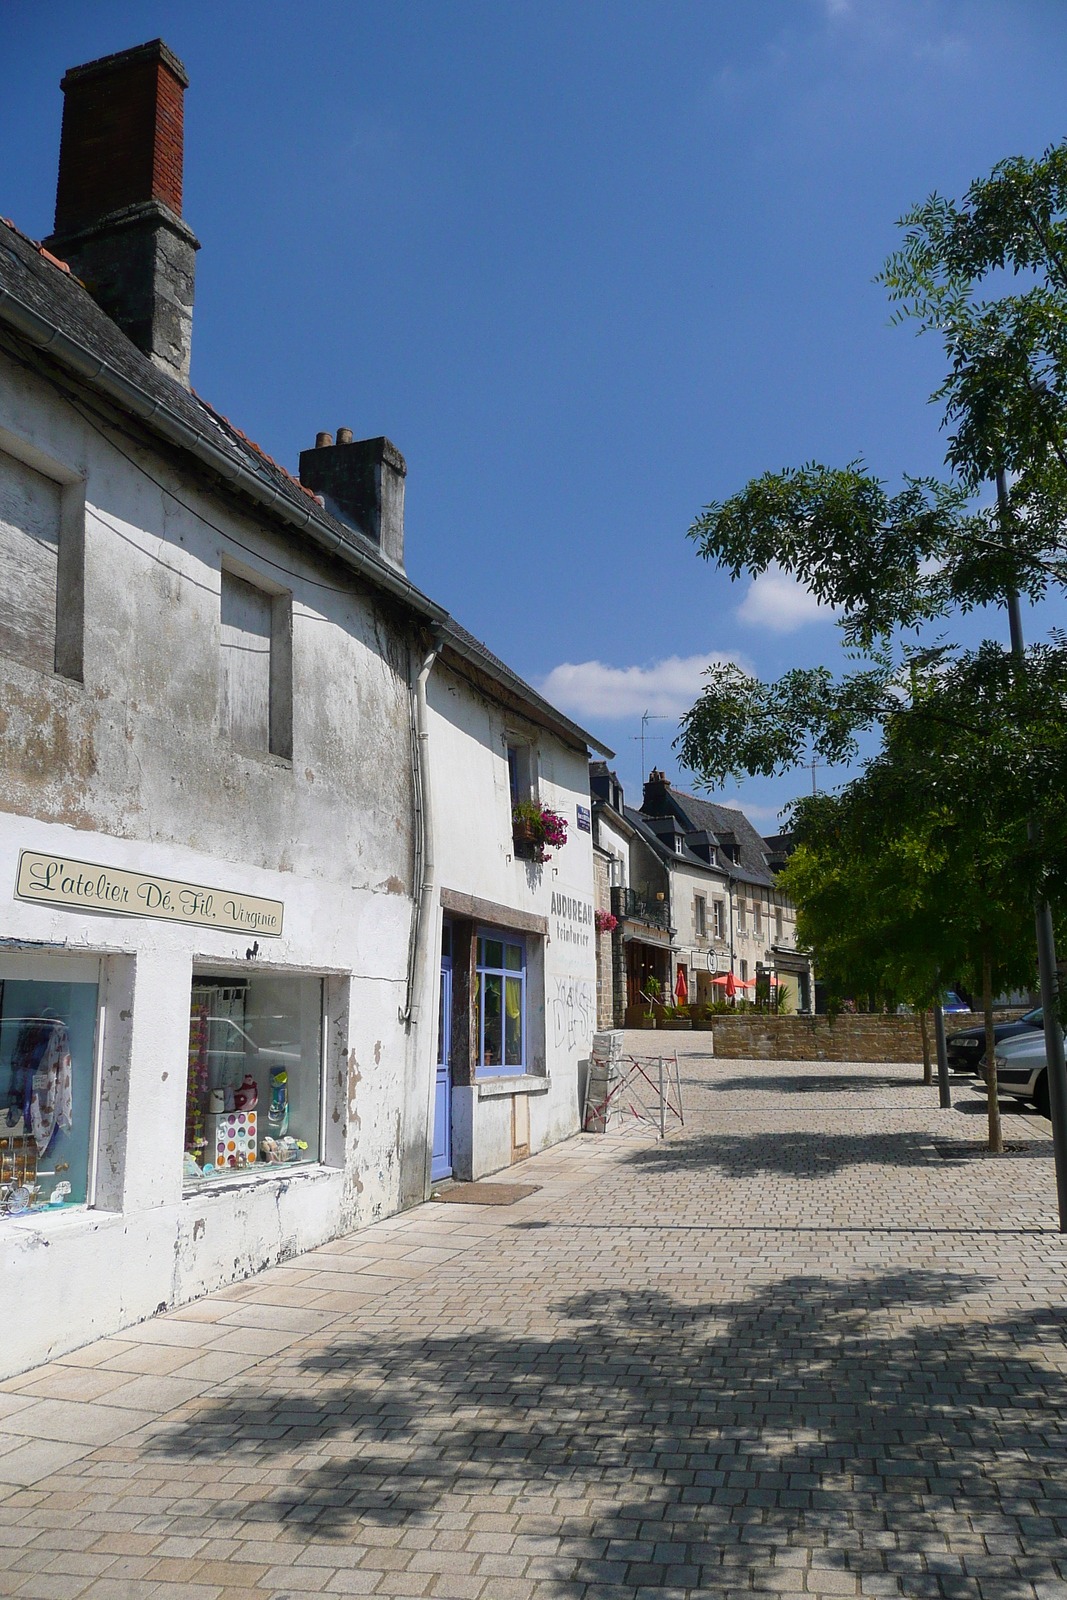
{"x":928,"y":1068}
{"x":996,"y":1143}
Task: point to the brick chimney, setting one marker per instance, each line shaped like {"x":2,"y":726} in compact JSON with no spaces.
{"x":362,"y":484}
{"x":119,"y":198}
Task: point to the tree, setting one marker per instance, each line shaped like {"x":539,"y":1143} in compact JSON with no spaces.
{"x":894,"y":562}
{"x":923,"y":866}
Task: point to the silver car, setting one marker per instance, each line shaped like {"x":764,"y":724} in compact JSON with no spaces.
{"x":1022,"y":1070}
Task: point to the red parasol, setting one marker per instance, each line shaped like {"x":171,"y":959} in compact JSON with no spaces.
{"x":681,"y":993}
{"x":731,"y":986}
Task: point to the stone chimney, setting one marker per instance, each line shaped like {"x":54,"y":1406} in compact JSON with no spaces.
{"x":655,"y":801}
{"x":362,"y":484}
{"x":119,"y":198}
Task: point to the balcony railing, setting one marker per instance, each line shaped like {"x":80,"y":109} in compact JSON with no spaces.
{"x":637,"y":907}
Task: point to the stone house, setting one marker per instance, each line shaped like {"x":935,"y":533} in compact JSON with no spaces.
{"x":272,"y":961}
{"x":693,"y":891}
{"x":733,"y":917}
{"x":612,"y":840}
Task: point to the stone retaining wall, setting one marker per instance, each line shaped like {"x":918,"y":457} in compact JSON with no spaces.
{"x":847,"y":1038}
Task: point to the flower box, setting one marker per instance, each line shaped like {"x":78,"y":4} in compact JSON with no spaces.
{"x":525,"y":837}
{"x":535,"y":830}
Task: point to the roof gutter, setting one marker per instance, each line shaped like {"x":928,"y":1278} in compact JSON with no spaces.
{"x":45,"y":335}
{"x":522,"y":691}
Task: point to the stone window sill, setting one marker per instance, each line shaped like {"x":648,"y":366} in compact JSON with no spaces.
{"x":522,"y":1083}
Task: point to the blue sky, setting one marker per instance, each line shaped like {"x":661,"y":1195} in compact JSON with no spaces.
{"x":589,"y":266}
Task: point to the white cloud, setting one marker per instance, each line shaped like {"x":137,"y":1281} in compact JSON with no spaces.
{"x":779,"y":602}
{"x":594,"y":689}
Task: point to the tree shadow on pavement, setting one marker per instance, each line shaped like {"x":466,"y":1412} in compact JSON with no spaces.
{"x":808,"y":1153}
{"x":800,"y":1083}
{"x":640,"y":1439}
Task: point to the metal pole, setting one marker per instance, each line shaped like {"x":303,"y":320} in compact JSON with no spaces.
{"x":1055,"y":1065}
{"x":943,"y":1096}
{"x":1054,"y":1058}
{"x":662,"y":1104}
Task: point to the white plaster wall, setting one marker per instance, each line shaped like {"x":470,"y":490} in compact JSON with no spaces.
{"x":469,"y":735}
{"x":617,"y":845}
{"x":128,"y":769}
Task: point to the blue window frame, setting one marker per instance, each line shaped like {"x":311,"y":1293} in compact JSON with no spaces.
{"x":501,"y":1003}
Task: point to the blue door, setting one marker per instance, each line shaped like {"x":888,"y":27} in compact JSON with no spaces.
{"x":441,"y":1166}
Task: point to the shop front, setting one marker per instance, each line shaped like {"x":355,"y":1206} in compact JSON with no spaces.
{"x":177,"y":1099}
{"x":496,"y":1042}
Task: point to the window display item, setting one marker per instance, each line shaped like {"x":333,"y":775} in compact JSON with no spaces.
{"x":247,"y":1095}
{"x":40,"y":1096}
{"x":47,"y":1038}
{"x":278,"y":1114}
{"x":232,"y":1139}
{"x":278,"y":1151}
{"x":255,"y":1068}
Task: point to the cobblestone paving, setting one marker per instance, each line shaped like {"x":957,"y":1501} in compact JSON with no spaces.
{"x":793,"y":1349}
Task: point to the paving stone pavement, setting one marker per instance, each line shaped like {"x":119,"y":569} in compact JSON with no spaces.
{"x":791,"y":1349}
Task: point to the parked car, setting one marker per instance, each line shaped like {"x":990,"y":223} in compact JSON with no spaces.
{"x":966,"y":1049}
{"x":1022,"y":1070}
{"x":952,"y":1003}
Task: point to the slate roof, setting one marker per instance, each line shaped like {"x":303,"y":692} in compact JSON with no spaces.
{"x":41,"y":300}
{"x":683,"y":857}
{"x":696,"y":815}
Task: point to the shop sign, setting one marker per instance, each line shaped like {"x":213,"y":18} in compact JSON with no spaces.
{"x":83,"y":886}
{"x":573,"y":918}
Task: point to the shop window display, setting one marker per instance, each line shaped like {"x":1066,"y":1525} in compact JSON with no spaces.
{"x":255,"y":1074}
{"x":47,"y":1045}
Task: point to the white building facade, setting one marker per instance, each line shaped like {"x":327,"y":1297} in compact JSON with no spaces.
{"x":254,"y":796}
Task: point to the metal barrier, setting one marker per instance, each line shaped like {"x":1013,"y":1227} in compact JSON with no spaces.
{"x":623,"y":1090}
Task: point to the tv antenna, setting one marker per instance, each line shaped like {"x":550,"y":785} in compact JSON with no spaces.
{"x":653,"y":738}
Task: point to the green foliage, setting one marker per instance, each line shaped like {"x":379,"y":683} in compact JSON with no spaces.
{"x":890,"y":562}
{"x":925,"y":863}
{"x":830,"y":528}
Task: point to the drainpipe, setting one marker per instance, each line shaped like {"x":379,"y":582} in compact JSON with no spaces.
{"x":424,"y":852}
{"x":730,"y":900}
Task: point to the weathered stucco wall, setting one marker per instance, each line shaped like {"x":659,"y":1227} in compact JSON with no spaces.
{"x":129,"y":768}
{"x":135,"y":750}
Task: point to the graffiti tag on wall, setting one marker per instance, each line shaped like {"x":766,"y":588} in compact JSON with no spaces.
{"x":572,"y":1011}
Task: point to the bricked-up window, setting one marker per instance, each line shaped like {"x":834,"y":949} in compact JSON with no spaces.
{"x":30,"y":512}
{"x":255,"y":668}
